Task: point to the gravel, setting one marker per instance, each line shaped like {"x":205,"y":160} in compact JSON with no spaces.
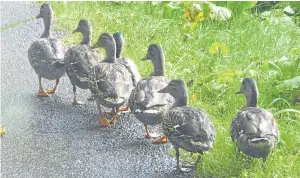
{"x":49,"y":137}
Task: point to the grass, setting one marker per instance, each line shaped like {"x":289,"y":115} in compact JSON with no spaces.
{"x":213,"y":79}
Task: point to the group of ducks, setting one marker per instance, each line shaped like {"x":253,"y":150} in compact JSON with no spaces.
{"x":115,"y":81}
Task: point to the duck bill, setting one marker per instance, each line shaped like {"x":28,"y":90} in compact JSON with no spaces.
{"x":239,"y":92}
{"x":95,"y":46}
{"x":145,"y":58}
{"x":76,"y":30}
{"x":164,"y":90}
{"x":38,"y":16}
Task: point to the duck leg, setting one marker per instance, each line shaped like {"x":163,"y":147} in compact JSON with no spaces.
{"x":54,"y":89}
{"x":102,"y":119}
{"x":41,"y":92}
{"x":115,"y":116}
{"x":75,"y":102}
{"x":179,"y":168}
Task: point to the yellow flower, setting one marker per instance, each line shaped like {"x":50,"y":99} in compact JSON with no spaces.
{"x":193,"y":98}
{"x":2,"y":131}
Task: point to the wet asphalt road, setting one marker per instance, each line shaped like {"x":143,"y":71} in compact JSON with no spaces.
{"x":48,"y":137}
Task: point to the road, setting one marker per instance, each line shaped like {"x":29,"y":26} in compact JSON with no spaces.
{"x":48,"y":137}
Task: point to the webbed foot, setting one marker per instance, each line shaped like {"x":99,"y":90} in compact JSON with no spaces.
{"x":162,"y":139}
{"x":50,"y":91}
{"x":42,"y":93}
{"x":104,"y":122}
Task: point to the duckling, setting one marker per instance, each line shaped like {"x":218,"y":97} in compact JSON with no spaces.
{"x":109,"y":82}
{"x":254,"y":129}
{"x":80,"y":58}
{"x":186,"y":127}
{"x":145,"y":102}
{"x":46,"y":54}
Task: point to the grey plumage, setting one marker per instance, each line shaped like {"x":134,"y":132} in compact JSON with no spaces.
{"x":46,"y":54}
{"x":145,"y":102}
{"x":254,"y":129}
{"x":80,"y":58}
{"x":109,"y":82}
{"x":128,"y":63}
{"x":186,"y":127}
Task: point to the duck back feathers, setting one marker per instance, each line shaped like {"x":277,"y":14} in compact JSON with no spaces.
{"x":255,"y":131}
{"x":112,"y":79}
{"x":80,"y":59}
{"x":146,"y":103}
{"x":46,"y":57}
{"x":189,"y":128}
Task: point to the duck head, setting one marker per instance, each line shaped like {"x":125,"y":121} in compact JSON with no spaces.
{"x":45,"y":12}
{"x":156,"y":55}
{"x":249,"y":89}
{"x":84,"y":27}
{"x":107,"y":42}
{"x":177,"y":89}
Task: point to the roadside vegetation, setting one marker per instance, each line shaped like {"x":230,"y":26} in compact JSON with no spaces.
{"x":212,"y":56}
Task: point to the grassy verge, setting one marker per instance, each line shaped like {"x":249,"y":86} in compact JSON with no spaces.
{"x":253,"y":46}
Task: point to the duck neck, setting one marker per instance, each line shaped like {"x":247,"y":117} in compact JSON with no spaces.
{"x":86,"y":40}
{"x":111,"y":53}
{"x":119,"y":49}
{"x":159,"y":65}
{"x":86,"y":37}
{"x":251,"y":98}
{"x":180,"y":95}
{"x":182,"y":101}
{"x":47,"y":31}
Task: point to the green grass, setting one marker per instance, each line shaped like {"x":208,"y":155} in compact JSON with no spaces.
{"x":212,"y":79}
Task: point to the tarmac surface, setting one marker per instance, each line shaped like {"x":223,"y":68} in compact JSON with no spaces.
{"x":49,"y":137}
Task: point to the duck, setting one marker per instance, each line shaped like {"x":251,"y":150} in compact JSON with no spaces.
{"x":80,"y":58}
{"x":128,"y":63}
{"x":110,"y":82}
{"x":186,"y":127}
{"x":145,"y":102}
{"x":47,"y":53}
{"x":253,"y":129}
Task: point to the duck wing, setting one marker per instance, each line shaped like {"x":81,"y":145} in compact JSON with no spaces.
{"x":132,"y":68}
{"x":79,"y":60}
{"x":146,"y":95}
{"x":112,"y":79}
{"x":189,"y":127}
{"x":254,"y":122}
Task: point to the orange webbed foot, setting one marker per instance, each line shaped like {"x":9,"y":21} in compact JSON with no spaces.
{"x":50,"y":91}
{"x":163,"y":139}
{"x":42,"y":93}
{"x":104,"y":122}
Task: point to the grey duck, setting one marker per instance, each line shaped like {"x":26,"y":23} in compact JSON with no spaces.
{"x":254,"y":129}
{"x":46,"y":54}
{"x":145,"y":102}
{"x":109,"y":82}
{"x":80,"y":58}
{"x":186,"y":127}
